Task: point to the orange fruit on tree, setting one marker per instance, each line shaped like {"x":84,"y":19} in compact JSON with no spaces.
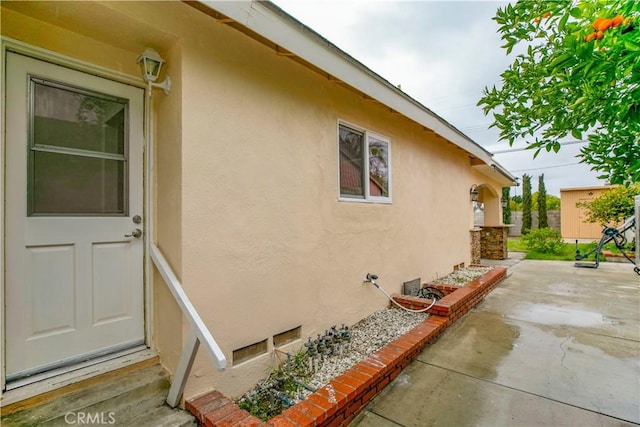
{"x":590,"y":37}
{"x":599,"y":35}
{"x":596,"y":23}
{"x":546,"y":14}
{"x":604,"y":25}
{"x":617,"y":21}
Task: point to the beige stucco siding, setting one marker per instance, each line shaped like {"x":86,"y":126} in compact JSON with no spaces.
{"x":167,"y":203}
{"x":246,"y":205}
{"x":267,"y":245}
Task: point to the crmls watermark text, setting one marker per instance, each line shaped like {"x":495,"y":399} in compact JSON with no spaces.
{"x":90,"y":418}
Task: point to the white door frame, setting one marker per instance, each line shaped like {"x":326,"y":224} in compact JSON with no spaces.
{"x":8,"y":44}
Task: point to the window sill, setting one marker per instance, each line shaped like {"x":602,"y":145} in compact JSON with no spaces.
{"x":375,"y":201}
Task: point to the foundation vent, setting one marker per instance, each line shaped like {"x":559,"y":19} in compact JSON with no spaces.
{"x":411,"y":287}
{"x":249,"y":352}
{"x":286,"y":337}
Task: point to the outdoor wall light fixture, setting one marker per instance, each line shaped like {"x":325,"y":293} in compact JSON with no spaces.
{"x":474,"y":193}
{"x":504,"y":202}
{"x":151,"y":64}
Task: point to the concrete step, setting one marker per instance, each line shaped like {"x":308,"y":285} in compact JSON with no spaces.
{"x":165,"y":416}
{"x":139,"y":395}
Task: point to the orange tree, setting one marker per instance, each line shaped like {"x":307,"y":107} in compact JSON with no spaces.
{"x":612,"y":206}
{"x":577,"y":74}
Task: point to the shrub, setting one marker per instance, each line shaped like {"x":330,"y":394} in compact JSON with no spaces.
{"x":612,"y":206}
{"x":544,"y":240}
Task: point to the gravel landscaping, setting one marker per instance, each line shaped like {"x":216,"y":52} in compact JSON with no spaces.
{"x":367,"y":336}
{"x":294,"y":380}
{"x":306,"y":371}
{"x":463,"y":276}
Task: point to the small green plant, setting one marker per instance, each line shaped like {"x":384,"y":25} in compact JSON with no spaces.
{"x":630,"y":246}
{"x":544,"y":240}
{"x":280,"y":390}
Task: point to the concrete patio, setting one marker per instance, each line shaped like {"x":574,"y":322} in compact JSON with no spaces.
{"x":553,"y":345}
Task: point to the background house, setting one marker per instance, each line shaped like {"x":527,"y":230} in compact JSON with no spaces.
{"x":273,"y":177}
{"x":573,"y":219}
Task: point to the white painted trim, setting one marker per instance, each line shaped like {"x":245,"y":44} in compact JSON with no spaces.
{"x":271,"y":22}
{"x":181,"y":374}
{"x":80,"y":363}
{"x":148,"y":212}
{"x":3,"y":80}
{"x":11,"y":45}
{"x":376,"y":201}
{"x":387,"y":140}
{"x":197,"y":325}
{"x":367,"y":196}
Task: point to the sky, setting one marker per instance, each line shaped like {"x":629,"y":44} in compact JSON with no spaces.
{"x":443,"y":54}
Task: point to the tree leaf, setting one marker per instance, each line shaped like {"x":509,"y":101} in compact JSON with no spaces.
{"x":535,"y":154}
{"x":576,"y":133}
{"x":576,"y":12}
{"x":563,"y":22}
{"x":579,"y":101}
{"x":555,"y":64}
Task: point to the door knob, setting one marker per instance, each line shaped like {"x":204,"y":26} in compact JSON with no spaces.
{"x":135,"y":233}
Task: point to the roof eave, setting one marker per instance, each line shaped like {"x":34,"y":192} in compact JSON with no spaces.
{"x":271,"y":22}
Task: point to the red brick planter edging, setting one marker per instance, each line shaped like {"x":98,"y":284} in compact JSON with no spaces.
{"x":339,"y":402}
{"x":460,"y":300}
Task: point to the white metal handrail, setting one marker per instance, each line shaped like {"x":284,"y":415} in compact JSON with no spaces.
{"x":198,"y":332}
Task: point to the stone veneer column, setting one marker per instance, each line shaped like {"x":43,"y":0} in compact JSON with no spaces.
{"x":476,"y":253}
{"x":493,"y":241}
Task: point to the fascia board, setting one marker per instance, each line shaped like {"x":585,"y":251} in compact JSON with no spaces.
{"x":298,"y":39}
{"x":497,"y":173}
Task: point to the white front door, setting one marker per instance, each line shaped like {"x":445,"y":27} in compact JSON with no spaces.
{"x":74,"y":191}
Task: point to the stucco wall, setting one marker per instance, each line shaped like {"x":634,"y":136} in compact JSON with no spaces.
{"x":247,"y":192}
{"x":267,"y":245}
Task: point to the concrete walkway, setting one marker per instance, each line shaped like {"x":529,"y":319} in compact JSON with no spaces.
{"x":553,"y":345}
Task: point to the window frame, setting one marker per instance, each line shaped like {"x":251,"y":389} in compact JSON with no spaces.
{"x":367,"y":135}
{"x":34,"y":147}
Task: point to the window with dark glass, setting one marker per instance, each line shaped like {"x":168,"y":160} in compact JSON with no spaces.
{"x":364,"y":165}
{"x":77,"y":151}
{"x":351,"y":163}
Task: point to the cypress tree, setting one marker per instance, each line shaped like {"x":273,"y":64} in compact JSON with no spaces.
{"x":526,"y":204}
{"x":506,"y":211}
{"x":543,"y":221}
